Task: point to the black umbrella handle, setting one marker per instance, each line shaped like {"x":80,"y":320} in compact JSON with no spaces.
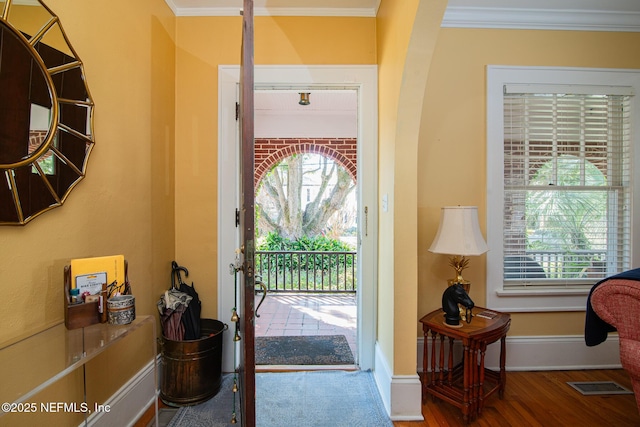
{"x":174,"y":265}
{"x":186,"y":273}
{"x":175,"y":270}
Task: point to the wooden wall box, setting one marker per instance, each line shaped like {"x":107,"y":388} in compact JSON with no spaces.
{"x":78,"y":315}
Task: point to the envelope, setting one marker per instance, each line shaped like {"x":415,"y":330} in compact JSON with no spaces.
{"x":113,"y":265}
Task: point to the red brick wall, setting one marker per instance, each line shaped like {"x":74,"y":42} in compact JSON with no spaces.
{"x":269,"y":152}
{"x":36,"y":138}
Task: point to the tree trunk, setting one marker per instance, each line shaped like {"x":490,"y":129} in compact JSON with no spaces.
{"x":279,"y":202}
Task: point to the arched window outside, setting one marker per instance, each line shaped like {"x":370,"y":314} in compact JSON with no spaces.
{"x":306,"y":195}
{"x":567,"y":214}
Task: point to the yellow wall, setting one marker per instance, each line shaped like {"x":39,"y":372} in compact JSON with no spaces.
{"x":204,"y":43}
{"x":452,"y":153}
{"x":125,"y":204}
{"x":151,"y":187}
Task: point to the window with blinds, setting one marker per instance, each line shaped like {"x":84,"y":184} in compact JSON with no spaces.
{"x":566,"y":184}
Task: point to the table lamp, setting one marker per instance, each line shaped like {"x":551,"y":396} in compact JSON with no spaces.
{"x":459,"y":236}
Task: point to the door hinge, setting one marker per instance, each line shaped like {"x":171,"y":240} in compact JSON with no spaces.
{"x":237,"y":111}
{"x":237,"y":217}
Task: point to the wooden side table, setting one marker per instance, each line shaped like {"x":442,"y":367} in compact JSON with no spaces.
{"x":469,"y":383}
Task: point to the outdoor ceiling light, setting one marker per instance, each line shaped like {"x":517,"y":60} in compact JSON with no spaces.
{"x":304,"y":98}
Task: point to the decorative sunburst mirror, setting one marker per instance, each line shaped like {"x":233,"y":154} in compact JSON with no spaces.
{"x":46,"y":112}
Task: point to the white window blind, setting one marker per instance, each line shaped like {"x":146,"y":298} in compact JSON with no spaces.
{"x":566,"y":185}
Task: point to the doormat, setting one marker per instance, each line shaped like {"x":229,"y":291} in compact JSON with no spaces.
{"x":591,"y":388}
{"x":304,"y":350}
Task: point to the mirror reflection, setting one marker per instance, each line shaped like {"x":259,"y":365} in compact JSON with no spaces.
{"x":22,"y":116}
{"x":45,"y":113}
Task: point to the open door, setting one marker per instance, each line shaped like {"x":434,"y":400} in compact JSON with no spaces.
{"x":246,"y":362}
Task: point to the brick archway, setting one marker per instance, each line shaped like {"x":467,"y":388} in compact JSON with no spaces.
{"x":269,"y":152}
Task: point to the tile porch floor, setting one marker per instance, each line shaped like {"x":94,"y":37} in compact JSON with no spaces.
{"x":308,"y":314}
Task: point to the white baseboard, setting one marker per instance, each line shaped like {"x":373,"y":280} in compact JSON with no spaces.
{"x":547,"y":353}
{"x":129,"y":403}
{"x":401,"y":394}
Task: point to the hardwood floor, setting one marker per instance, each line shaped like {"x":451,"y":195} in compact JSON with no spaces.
{"x":543,"y":399}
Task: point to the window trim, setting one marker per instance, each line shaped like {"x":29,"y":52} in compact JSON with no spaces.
{"x":497,"y":76}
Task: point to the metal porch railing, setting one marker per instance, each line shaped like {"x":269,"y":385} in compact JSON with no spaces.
{"x":307,"y":271}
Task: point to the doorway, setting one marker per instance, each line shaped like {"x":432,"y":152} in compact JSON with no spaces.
{"x":306,"y":227}
{"x":363,"y":80}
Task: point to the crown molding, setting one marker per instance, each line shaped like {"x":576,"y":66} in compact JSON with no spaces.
{"x":274,"y":11}
{"x":541,"y":19}
{"x":616,"y":15}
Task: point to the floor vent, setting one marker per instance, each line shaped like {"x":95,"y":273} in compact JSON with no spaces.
{"x":590,"y":388}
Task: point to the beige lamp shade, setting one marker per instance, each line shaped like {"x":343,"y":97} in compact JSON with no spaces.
{"x":459,"y":232}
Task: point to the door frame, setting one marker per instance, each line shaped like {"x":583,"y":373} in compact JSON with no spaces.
{"x":364,"y":79}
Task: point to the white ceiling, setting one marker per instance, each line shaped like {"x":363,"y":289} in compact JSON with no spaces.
{"x":277,"y":7}
{"x":334,"y":101}
{"x":330,"y":114}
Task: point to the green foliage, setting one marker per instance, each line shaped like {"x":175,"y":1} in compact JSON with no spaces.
{"x":564,"y":217}
{"x":568,"y":219}
{"x":275,"y":242}
{"x":309,"y":263}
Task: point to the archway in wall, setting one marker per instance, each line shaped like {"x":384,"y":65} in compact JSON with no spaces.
{"x":270,"y":151}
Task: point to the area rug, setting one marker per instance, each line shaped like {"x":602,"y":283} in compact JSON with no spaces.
{"x":215,"y":412}
{"x":319,"y":399}
{"x":304,"y":350}
{"x":300,"y":399}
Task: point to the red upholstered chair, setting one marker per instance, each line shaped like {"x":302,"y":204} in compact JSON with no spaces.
{"x":617,"y":302}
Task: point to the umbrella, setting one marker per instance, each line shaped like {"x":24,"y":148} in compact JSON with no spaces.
{"x":191,"y":317}
{"x":172,"y":305}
